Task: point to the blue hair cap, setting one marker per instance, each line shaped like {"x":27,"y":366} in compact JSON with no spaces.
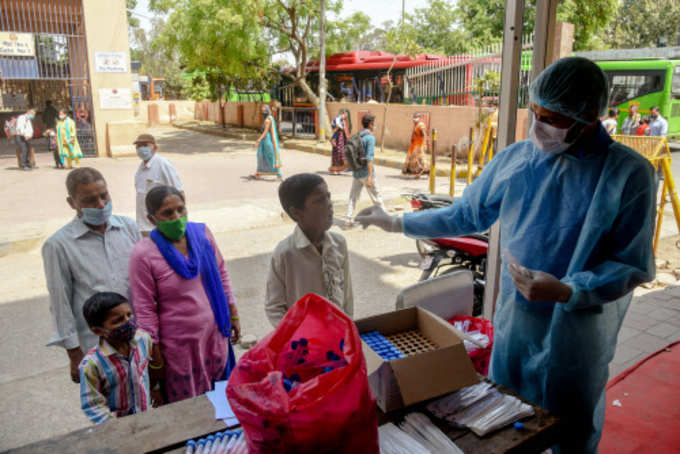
{"x":574,"y":87}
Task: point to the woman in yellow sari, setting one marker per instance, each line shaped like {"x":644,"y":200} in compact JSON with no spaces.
{"x":415,"y":159}
{"x":67,"y":140}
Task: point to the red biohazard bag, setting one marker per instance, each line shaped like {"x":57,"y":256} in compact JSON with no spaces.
{"x":481,"y":357}
{"x":303,"y":388}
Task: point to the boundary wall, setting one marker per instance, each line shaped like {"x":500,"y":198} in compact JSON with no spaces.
{"x":453,"y":123}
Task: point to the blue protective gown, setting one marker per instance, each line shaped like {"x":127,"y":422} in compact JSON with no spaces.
{"x":586,"y":217}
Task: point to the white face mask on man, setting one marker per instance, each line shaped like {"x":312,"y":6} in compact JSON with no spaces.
{"x":548,"y":138}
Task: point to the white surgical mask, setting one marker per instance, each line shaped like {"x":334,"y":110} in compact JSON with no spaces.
{"x":62,"y":116}
{"x":548,"y":138}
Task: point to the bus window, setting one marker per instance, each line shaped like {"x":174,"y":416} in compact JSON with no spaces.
{"x":675,"y":83}
{"x":626,"y":85}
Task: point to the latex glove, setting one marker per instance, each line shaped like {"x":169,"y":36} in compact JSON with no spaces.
{"x":376,"y":216}
{"x":537,"y":285}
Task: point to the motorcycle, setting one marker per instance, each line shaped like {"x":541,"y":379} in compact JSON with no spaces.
{"x":441,"y":256}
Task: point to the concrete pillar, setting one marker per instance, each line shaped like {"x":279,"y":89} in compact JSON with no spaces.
{"x":106,"y":30}
{"x":563,"y":41}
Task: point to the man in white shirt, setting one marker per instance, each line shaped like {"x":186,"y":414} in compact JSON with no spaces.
{"x":24,"y":134}
{"x":659,"y":125}
{"x":154,"y":171}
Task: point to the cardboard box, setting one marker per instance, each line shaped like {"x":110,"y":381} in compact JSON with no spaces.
{"x":421,"y":376}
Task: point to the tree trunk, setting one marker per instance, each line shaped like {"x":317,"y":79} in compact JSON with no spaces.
{"x":322,"y":74}
{"x":387,"y":104}
{"x":323,"y":121}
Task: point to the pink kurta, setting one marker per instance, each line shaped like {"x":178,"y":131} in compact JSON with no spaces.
{"x":177,"y":314}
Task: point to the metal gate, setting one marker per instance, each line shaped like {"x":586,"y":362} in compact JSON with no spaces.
{"x":43,"y":55}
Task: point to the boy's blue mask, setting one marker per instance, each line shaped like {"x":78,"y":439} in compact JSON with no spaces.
{"x":123,"y":333}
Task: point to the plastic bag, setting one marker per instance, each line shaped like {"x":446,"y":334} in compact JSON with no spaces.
{"x":481,"y":356}
{"x":303,"y":388}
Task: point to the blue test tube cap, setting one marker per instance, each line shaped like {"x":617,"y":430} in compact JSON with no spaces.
{"x":518,"y":425}
{"x":191,"y":443}
{"x":201,"y":442}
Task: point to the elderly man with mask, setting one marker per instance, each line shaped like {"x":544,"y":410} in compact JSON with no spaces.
{"x":576,"y":213}
{"x":88,"y":255}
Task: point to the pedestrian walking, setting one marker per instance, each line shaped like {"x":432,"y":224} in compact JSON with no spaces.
{"x":268,"y":156}
{"x":67,"y":140}
{"x":415,"y":157}
{"x":154,"y":170}
{"x":576,"y":215}
{"x":365,"y":175}
{"x":342,"y":130}
{"x":632,"y":121}
{"x":90,"y":254}
{"x":182,"y":296}
{"x":22,"y":139}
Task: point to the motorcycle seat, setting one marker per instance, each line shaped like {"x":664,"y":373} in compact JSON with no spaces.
{"x":470,"y":245}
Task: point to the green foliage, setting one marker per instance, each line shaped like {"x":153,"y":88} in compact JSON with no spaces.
{"x":482,"y":20}
{"x":436,"y":27}
{"x":346,"y":35}
{"x":219,"y":39}
{"x":645,"y":23}
{"x":129,"y":6}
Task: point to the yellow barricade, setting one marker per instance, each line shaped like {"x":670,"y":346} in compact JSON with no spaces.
{"x":657,"y":151}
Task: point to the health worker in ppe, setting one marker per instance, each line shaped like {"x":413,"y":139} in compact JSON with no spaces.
{"x":576,"y":214}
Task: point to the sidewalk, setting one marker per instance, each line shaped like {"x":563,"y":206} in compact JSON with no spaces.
{"x":387,"y":158}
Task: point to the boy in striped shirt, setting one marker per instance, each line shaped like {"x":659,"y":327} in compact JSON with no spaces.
{"x":114,"y":378}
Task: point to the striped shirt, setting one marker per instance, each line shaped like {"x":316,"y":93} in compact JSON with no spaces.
{"x":113,"y":385}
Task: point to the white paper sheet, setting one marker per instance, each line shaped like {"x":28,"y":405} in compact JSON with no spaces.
{"x":223,"y":410}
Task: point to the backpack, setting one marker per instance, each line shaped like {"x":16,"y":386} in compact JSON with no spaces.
{"x":355,"y":155}
{"x":11,"y":127}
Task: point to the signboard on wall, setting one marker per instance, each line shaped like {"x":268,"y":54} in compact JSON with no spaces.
{"x":17,"y":44}
{"x":115,"y":98}
{"x":110,"y":62}
{"x":14,"y":101}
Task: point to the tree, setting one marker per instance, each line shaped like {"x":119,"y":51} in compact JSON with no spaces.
{"x":437,"y":27}
{"x":218,"y":41}
{"x":352,"y":33}
{"x":400,"y":40}
{"x":645,"y":23}
{"x":130,"y":5}
{"x":292,"y":26}
{"x":482,"y":20}
{"x":158,"y":61}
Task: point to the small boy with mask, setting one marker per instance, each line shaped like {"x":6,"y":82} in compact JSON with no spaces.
{"x":312,"y":259}
{"x":114,"y":379}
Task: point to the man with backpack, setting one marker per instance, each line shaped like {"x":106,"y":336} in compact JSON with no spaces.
{"x":22,"y":138}
{"x":359,"y":152}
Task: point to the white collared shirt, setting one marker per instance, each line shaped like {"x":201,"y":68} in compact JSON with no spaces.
{"x":297,"y":268}
{"x":24,"y":126}
{"x":158,"y":171}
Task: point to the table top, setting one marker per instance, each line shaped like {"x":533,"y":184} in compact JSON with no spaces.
{"x":166,"y":429}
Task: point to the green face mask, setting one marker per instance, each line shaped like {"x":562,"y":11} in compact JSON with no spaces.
{"x":173,"y":230}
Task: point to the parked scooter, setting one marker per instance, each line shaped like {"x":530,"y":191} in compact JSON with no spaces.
{"x":446,"y":255}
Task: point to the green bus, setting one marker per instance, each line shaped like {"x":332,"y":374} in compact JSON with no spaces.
{"x":647,"y":82}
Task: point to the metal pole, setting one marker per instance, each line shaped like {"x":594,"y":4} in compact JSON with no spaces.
{"x":544,"y":35}
{"x":322,"y":74}
{"x":507,"y":123}
{"x":452,"y":177}
{"x":433,"y":162}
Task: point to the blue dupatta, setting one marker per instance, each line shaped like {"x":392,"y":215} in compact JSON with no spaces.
{"x":201,"y":261}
